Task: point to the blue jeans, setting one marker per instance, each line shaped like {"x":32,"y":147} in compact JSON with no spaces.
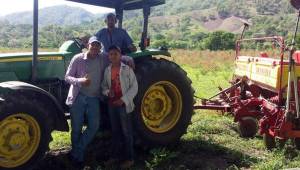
{"x":80,"y":139}
{"x":122,"y":139}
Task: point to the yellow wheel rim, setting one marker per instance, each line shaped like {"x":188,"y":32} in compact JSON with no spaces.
{"x":161,"y":106}
{"x":19,"y":139}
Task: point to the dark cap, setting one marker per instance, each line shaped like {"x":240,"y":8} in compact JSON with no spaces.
{"x":110,"y":15}
{"x":94,"y":39}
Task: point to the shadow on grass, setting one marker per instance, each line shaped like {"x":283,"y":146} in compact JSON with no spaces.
{"x":200,"y":154}
{"x":186,"y":154}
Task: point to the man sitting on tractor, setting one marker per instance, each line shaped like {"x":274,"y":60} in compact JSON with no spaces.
{"x":115,"y":36}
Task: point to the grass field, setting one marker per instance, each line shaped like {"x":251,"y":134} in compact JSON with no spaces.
{"x":212,"y":141}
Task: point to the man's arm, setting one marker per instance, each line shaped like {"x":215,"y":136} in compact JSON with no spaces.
{"x":128,"y":61}
{"x":132,"y":48}
{"x":125,"y":59}
{"x":104,"y":84}
{"x":129,"y":42}
{"x":71,"y":73}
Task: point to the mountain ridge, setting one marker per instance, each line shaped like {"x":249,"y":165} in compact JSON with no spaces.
{"x":57,"y":15}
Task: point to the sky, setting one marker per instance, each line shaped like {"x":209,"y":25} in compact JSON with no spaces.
{"x":12,"y":6}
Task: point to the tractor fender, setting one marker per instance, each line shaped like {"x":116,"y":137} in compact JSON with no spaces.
{"x":59,"y":122}
{"x":149,"y":52}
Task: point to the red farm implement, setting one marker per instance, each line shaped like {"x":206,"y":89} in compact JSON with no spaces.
{"x":264,"y":95}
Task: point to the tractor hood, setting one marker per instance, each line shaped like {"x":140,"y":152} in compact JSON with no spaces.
{"x":27,"y":56}
{"x":127,"y":4}
{"x":68,"y":48}
{"x":18,"y":66}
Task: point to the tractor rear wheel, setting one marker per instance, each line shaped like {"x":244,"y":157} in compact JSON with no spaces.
{"x":164,"y":103}
{"x":269,"y":141}
{"x":247,"y":126}
{"x":24,"y":132}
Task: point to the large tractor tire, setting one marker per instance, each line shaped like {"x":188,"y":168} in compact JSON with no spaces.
{"x":25,"y":132}
{"x":248,"y":126}
{"x":164,"y":103}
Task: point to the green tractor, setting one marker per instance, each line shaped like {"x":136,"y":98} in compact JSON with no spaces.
{"x":30,"y":111}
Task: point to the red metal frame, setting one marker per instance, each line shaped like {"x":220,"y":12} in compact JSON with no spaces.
{"x":270,"y":111}
{"x":281,"y":42}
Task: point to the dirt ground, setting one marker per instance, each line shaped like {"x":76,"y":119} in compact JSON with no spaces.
{"x":187,"y":158}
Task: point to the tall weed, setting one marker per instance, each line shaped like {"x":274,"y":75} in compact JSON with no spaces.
{"x":206,"y":69}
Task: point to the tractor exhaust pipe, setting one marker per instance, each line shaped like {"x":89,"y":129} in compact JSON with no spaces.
{"x":146,"y":13}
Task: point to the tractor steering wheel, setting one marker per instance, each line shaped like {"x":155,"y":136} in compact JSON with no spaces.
{"x":79,"y":43}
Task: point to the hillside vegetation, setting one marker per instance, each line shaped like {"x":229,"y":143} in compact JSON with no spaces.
{"x":175,"y":24}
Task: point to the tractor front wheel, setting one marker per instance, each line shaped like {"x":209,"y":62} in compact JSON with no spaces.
{"x":164,"y":103}
{"x":24,"y":132}
{"x":247,"y":126}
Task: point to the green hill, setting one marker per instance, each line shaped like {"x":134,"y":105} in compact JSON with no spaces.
{"x":177,"y":24}
{"x":58,"y":15}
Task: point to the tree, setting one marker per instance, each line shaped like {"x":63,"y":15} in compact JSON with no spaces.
{"x":219,"y":40}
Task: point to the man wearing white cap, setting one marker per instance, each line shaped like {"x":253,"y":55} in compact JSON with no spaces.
{"x":84,"y":74}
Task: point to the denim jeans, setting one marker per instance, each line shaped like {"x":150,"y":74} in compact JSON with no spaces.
{"x":80,"y":139}
{"x":122,"y":139}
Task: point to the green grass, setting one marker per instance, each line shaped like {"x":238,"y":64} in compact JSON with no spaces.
{"x":60,"y":140}
{"x":205,"y":82}
{"x":216,"y":134}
